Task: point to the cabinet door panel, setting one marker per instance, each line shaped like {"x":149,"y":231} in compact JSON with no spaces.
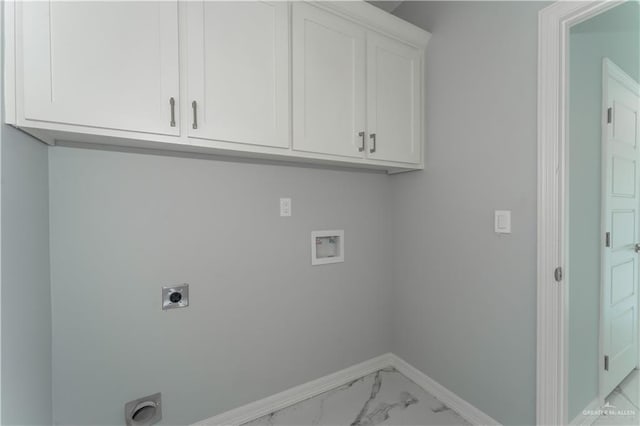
{"x":328,"y":82}
{"x":238,"y":55}
{"x":101,"y":64}
{"x":393,"y":99}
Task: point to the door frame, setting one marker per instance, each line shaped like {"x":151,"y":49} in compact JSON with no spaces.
{"x":554,"y":23}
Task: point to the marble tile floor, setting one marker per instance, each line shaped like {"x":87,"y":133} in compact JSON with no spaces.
{"x":382,"y":398}
{"x":623,"y":404}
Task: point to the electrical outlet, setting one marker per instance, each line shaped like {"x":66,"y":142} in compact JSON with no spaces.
{"x":175,"y":297}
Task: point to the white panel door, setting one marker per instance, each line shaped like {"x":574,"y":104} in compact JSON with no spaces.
{"x":104,"y":64}
{"x":328,"y":83}
{"x":621,"y":155}
{"x":238,"y":61}
{"x":393,"y":100}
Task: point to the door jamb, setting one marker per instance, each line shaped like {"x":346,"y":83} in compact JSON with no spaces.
{"x":554,"y":23}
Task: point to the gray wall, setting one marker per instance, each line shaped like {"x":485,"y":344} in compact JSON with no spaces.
{"x":261,"y":319}
{"x":616,"y":35}
{"x":464,"y":297}
{"x":26,"y":299}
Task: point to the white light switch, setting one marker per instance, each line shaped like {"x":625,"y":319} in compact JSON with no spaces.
{"x":502,"y":221}
{"x":285,"y":206}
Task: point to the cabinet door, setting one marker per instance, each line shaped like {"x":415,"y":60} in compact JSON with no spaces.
{"x":328,"y":83}
{"x":393,"y":100}
{"x":238,"y":77}
{"x":110,"y":65}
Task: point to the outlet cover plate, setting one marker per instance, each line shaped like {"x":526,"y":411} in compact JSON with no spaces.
{"x":176,"y":296}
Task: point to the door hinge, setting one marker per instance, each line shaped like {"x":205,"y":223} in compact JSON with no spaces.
{"x":609,"y":115}
{"x":606,"y":363}
{"x":607,"y":239}
{"x":557,"y":274}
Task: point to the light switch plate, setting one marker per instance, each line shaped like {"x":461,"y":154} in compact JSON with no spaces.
{"x":285,"y":207}
{"x":502,"y":221}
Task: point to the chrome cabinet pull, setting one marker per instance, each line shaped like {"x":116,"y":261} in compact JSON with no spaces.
{"x":172,"y":102}
{"x":194,"y":105}
{"x":637,"y":248}
{"x":372,"y":136}
{"x":361,"y":148}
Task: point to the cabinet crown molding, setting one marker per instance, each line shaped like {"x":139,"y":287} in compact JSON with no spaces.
{"x":378,"y":20}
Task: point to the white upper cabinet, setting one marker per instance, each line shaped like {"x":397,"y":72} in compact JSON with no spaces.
{"x":109,"y":65}
{"x":324,"y":82}
{"x":238,"y":72}
{"x":393,"y":100}
{"x":348,"y":106}
{"x":328,"y":83}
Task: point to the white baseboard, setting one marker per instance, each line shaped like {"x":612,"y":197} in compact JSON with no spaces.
{"x":284,"y":399}
{"x":281,"y":400}
{"x":588,"y":416}
{"x":470,"y":413}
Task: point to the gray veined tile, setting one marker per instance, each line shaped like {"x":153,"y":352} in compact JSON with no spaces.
{"x":372,"y":412}
{"x":620,"y":409}
{"x":382,"y":398}
{"x":630,"y":388}
{"x":330,"y":407}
